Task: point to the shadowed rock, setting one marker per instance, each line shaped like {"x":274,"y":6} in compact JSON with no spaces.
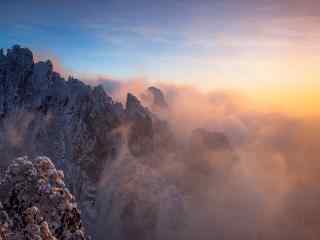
{"x":72,"y":123}
{"x":158,"y":97}
{"x":41,"y":113}
{"x":80,"y":127}
{"x":140,"y":139}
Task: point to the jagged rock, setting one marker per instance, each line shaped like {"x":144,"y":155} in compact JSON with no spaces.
{"x":80,"y":127}
{"x":21,"y":57}
{"x":2,"y":56}
{"x":72,"y":123}
{"x":163,"y":139}
{"x":158,"y":97}
{"x":140,"y":139}
{"x":134,"y":108}
{"x":35,"y":203}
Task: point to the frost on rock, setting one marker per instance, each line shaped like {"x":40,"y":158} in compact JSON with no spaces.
{"x":79,"y":127}
{"x":35,"y":204}
{"x":72,"y":123}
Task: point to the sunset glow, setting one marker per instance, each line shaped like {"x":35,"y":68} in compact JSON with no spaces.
{"x":160,"y":120}
{"x":266,"y":50}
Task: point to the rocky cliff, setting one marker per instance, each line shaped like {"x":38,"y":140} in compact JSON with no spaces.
{"x":36,"y":204}
{"x":122,"y":163}
{"x":78,"y":126}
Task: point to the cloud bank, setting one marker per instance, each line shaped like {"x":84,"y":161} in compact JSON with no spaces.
{"x":262,"y":184}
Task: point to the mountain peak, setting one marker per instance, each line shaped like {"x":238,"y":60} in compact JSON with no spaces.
{"x":1,"y":53}
{"x":23,"y":57}
{"x":134,"y":108}
{"x":158,"y":97}
{"x":132,"y":100}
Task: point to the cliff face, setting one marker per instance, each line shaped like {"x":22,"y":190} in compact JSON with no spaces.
{"x":72,"y":123}
{"x":36,"y":204}
{"x":124,"y":166}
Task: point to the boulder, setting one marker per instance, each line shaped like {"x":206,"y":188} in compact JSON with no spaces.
{"x":36,"y":204}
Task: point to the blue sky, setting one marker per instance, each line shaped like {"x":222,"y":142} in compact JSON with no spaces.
{"x":229,"y":44}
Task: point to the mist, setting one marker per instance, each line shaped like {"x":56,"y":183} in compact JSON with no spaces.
{"x":241,"y":173}
{"x":167,"y":120}
{"x":213,"y":166}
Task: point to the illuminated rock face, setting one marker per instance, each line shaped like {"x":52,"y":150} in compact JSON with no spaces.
{"x":35,"y":203}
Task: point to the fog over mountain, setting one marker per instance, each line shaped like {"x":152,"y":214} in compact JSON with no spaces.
{"x":161,"y":162}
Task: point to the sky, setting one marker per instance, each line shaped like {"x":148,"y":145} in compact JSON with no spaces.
{"x":268,"y":49}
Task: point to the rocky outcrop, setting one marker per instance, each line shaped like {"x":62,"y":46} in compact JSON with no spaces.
{"x":140,"y":138}
{"x":163,"y":136}
{"x":36,"y":204}
{"x":72,"y":123}
{"x":158,"y":99}
{"x":119,"y":162}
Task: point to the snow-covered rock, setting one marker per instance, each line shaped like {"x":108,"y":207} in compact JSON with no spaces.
{"x":71,"y":122}
{"x":74,"y":124}
{"x":36,"y":204}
